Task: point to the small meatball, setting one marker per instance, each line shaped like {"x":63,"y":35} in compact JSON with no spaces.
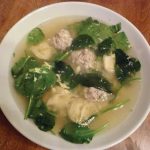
{"x":109,"y":63}
{"x":42,"y":51}
{"x":80,"y":110}
{"x":94,"y":94}
{"x":82,"y":60}
{"x":62,"y":39}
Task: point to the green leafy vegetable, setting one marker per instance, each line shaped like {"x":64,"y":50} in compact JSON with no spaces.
{"x":35,"y":107}
{"x":31,"y":106}
{"x":115,"y":106}
{"x":120,"y":41}
{"x":94,"y":80}
{"x":19,"y":66}
{"x":35,"y":36}
{"x":132,"y":79}
{"x":23,"y":65}
{"x":98,"y":31}
{"x":34,"y":84}
{"x":39,"y":113}
{"x":61,"y":56}
{"x":105,"y":47}
{"x":120,"y":74}
{"x":82,"y":41}
{"x":32,"y":80}
{"x":111,"y":107}
{"x":125,"y":66}
{"x":79,"y":134}
{"x":35,"y":81}
{"x":45,"y":121}
{"x":66,"y":73}
{"x":116,"y":28}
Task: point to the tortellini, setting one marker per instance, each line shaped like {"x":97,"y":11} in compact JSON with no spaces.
{"x":58,"y":100}
{"x":79,"y":110}
{"x":42,"y":51}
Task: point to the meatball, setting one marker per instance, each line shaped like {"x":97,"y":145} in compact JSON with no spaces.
{"x":62,"y":39}
{"x":94,"y":94}
{"x":80,"y":110}
{"x":82,"y":60}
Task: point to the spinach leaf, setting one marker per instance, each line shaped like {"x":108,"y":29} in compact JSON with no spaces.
{"x":79,"y":134}
{"x":121,"y":74}
{"x":35,"y":36}
{"x":61,"y":56}
{"x":31,"y":106}
{"x":45,"y":121}
{"x":39,"y":113}
{"x":35,"y":81}
{"x":35,"y":107}
{"x":125,"y":66}
{"x":111,"y":107}
{"x":105,"y":47}
{"x":114,"y":106}
{"x":120,"y":41}
{"x":18,"y":84}
{"x":81,"y":41}
{"x":66,"y":73}
{"x":94,"y":80}
{"x":116,"y":28}
{"x":32,"y":80}
{"x":17,"y":68}
{"x":23,"y":65}
{"x":45,"y":77}
{"x":98,"y":31}
{"x":33,"y":85}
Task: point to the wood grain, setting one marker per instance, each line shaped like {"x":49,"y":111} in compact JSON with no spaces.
{"x":137,"y":11}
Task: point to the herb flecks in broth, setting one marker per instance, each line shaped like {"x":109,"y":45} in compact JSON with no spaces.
{"x":75,"y":74}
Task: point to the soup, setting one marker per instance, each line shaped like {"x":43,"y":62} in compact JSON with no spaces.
{"x":76,"y":76}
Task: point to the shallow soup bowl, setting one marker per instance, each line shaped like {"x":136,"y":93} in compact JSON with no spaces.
{"x":26,"y":127}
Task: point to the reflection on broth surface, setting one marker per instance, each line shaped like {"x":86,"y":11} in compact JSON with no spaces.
{"x":72,"y":69}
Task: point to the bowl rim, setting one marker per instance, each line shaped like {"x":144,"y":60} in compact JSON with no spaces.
{"x":77,"y":3}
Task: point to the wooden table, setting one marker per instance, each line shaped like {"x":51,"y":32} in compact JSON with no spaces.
{"x":137,"y":11}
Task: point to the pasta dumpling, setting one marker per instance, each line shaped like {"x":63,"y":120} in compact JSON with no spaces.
{"x":59,"y":99}
{"x":42,"y":51}
{"x":80,"y":110}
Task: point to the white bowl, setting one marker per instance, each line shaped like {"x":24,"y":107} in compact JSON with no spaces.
{"x":46,"y":139}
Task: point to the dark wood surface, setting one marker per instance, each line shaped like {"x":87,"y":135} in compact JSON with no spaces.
{"x":137,"y":11}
